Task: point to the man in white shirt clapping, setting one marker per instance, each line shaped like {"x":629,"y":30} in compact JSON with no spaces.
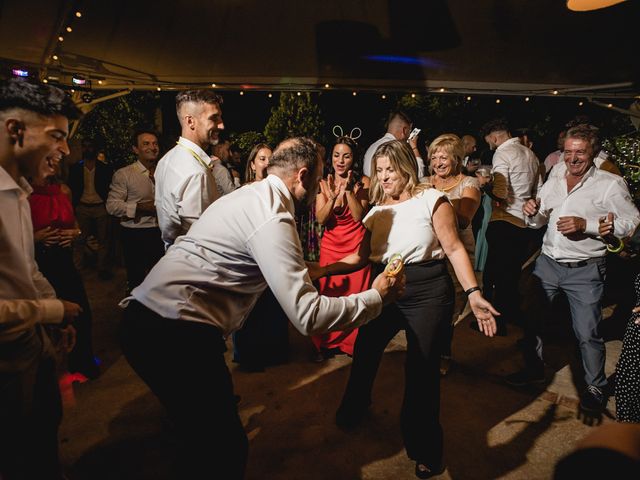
{"x":582,"y":209}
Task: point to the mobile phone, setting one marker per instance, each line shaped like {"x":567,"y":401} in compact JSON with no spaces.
{"x":414,"y":133}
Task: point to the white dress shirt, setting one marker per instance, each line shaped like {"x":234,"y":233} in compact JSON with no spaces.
{"x":366,"y":161}
{"x":129,"y":186}
{"x":521,"y":169}
{"x":242,"y":243}
{"x":184,"y":189}
{"x":597,"y":194}
{"x":224,"y":180}
{"x":405,"y":228}
{"x":26,"y":297}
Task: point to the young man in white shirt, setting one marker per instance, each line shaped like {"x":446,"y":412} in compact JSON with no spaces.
{"x":398,"y":128}
{"x":203,"y":289}
{"x":131,"y":197}
{"x":581,"y":209}
{"x":34,"y":124}
{"x":185,"y":185}
{"x":517,"y":177}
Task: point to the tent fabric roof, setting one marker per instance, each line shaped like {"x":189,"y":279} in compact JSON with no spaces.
{"x":512,"y":46}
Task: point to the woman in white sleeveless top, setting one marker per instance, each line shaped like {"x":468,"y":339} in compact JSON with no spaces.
{"x":417,"y":222}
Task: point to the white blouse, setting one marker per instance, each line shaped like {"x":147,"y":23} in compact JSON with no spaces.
{"x":405,"y":228}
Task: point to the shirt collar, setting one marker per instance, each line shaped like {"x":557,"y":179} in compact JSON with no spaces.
{"x":8,"y":183}
{"x":140,"y":166}
{"x":511,"y":141}
{"x":279,"y":185}
{"x":196,"y":148}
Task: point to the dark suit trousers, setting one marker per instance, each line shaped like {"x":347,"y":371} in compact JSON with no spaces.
{"x":183,"y":364}
{"x":141,"y":248}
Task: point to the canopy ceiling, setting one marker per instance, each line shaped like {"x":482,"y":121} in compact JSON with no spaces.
{"x":506,"y":46}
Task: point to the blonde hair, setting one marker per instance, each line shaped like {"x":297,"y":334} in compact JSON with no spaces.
{"x":403,"y":161}
{"x":452,"y":145}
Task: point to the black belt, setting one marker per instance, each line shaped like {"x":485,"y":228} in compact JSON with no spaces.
{"x":91,"y":204}
{"x":581,"y":263}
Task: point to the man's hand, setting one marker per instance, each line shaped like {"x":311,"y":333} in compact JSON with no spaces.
{"x":47,"y":236}
{"x":315,"y":270}
{"x":570,"y":225}
{"x":71,"y":310}
{"x":67,"y":338}
{"x":531,"y":207}
{"x":605,"y":226}
{"x":389,"y":288}
{"x":636,"y":310}
{"x":146,"y":208}
{"x":67,"y":236}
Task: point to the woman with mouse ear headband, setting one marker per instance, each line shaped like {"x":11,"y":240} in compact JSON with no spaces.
{"x":341,"y":204}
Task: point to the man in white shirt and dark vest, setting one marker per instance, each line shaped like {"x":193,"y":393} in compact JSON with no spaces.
{"x":185,"y":185}
{"x":204,"y":288}
{"x":580,"y":208}
{"x":131,"y":198}
{"x":34,"y":124}
{"x":517,"y":177}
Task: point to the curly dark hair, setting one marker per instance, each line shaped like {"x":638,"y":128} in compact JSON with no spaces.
{"x":35,"y":97}
{"x":495,"y":125}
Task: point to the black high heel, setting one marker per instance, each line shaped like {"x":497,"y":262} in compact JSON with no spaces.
{"x":422,"y":471}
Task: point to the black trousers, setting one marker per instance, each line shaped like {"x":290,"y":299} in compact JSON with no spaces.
{"x":30,"y":414}
{"x":183,"y":364}
{"x":56,"y":264}
{"x":141,"y":249}
{"x":422,"y":312}
{"x":508,"y":249}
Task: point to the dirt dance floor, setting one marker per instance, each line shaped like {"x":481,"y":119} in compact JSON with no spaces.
{"x":114,"y":428}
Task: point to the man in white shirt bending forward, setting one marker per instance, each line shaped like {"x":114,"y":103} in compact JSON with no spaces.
{"x":203,"y":289}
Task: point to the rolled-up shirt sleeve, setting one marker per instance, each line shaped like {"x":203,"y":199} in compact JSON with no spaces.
{"x":20,"y":314}
{"x":276,"y":249}
{"x":117,"y":204}
{"x":617,"y":200}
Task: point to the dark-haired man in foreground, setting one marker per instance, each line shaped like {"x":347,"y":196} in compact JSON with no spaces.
{"x":34,"y":124}
{"x":185,"y":185}
{"x":205,"y":286}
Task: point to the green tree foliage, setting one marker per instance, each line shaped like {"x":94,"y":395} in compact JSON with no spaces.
{"x":111,"y":123}
{"x":295,"y":115}
{"x":624,"y":150}
{"x":246,"y":141}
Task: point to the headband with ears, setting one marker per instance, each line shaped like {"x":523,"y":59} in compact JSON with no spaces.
{"x":354,"y":131}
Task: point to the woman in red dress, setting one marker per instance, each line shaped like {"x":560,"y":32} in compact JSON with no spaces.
{"x":55,"y":228}
{"x":341,"y":204}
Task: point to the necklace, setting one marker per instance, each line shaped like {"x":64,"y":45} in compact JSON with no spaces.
{"x":446,"y":188}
